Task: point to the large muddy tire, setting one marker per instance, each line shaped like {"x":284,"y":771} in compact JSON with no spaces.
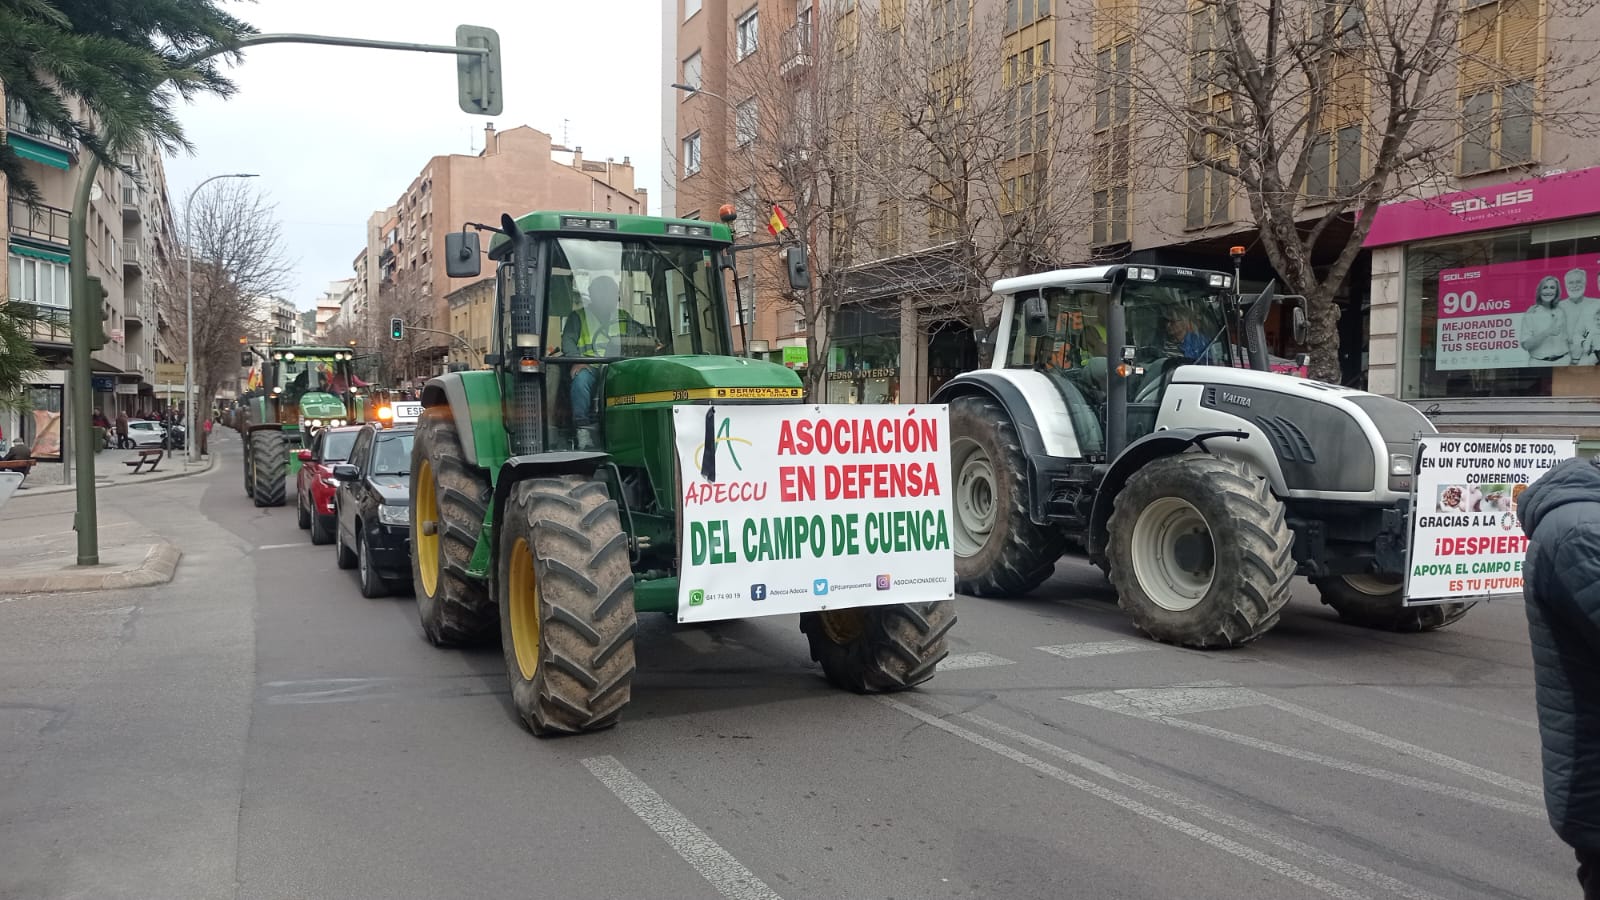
{"x":565,"y":591}
{"x":874,"y":649}
{"x":999,"y":550}
{"x":244,"y":466}
{"x":449,"y":504}
{"x":1371,"y":601}
{"x":269,"y":467}
{"x":1201,"y":555}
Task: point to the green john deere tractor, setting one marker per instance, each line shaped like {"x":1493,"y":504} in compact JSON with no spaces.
{"x":302,"y":389}
{"x":544,"y":489}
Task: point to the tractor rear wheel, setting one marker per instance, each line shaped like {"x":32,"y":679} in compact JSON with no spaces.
{"x":875,"y":649}
{"x":269,"y":467}
{"x":1373,"y":601}
{"x":1201,"y":555}
{"x":249,"y":482}
{"x":565,"y":589}
{"x":999,"y":550}
{"x":449,"y":505}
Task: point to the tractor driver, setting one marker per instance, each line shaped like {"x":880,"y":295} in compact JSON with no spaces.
{"x":591,"y":330}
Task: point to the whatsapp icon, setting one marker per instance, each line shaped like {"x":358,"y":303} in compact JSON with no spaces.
{"x":697,"y":597}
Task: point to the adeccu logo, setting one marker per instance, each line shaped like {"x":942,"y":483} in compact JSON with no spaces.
{"x":717,"y":435}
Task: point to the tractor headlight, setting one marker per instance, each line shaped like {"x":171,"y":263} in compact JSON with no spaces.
{"x":1400,"y":464}
{"x":394,"y":515}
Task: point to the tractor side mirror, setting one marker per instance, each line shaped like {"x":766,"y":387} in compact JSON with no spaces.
{"x":304,"y":455}
{"x":1298,"y":326}
{"x":1035,"y":316}
{"x":461,"y":254}
{"x":345,"y":472}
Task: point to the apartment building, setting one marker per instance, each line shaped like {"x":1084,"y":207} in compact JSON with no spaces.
{"x":472,"y":320}
{"x":131,"y":246}
{"x":1515,"y":201}
{"x":520,"y":169}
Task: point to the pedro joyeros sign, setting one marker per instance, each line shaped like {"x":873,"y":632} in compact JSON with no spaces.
{"x":797,"y":508}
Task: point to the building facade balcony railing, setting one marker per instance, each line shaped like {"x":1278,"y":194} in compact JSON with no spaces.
{"x":51,"y":327}
{"x":19,"y":122}
{"x":133,"y":258}
{"x":49,"y":224}
{"x":131,"y":195}
{"x":794,"y":49}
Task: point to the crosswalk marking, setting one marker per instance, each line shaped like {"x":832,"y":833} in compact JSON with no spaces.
{"x":957,"y":661}
{"x":1096,"y":648}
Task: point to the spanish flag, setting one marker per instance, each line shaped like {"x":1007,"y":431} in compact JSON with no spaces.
{"x":254,"y":382}
{"x":779,"y":223}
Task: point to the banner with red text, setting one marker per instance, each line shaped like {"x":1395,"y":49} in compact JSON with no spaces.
{"x":1488,"y":320}
{"x":1466,"y":535}
{"x":792,"y":509}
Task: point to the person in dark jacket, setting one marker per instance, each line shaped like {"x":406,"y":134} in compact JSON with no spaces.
{"x":1561,"y":589}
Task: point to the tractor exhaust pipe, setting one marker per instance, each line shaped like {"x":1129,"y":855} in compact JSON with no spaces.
{"x":1255,"y":327}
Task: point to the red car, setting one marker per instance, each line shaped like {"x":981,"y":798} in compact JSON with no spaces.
{"x":315,"y":487}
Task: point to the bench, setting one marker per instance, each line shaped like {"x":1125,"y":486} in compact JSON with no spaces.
{"x":151,"y":456}
{"x":17,"y":465}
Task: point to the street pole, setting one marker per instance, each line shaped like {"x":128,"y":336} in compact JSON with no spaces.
{"x":479,"y":88}
{"x":192,"y":446}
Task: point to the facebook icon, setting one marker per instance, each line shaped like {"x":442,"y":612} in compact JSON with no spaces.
{"x":758,"y":592}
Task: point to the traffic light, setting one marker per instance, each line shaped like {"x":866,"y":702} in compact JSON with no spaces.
{"x":97,"y":324}
{"x":478,"y":75}
{"x":397,"y":328}
{"x":799,"y":272}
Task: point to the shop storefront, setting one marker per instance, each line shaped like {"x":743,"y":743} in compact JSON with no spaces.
{"x":1486,"y":305}
{"x":864,"y":358}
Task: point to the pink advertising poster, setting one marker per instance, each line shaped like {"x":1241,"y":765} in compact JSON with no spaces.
{"x":1519,"y":314}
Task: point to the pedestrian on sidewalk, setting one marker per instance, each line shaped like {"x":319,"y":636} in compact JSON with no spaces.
{"x":1561,"y":590}
{"x":122,"y":429}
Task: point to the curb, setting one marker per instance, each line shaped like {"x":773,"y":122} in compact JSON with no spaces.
{"x":23,"y":494}
{"x":159,"y":565}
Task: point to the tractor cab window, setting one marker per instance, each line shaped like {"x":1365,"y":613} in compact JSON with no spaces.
{"x":1177,"y":320}
{"x":625,"y":299}
{"x":304,"y":375}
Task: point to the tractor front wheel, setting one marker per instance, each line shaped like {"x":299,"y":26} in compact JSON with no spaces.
{"x":875,"y":649}
{"x":1201,"y":555}
{"x":565,"y":591}
{"x":999,"y":550}
{"x":269,"y":467}
{"x":449,"y":505}
{"x":1373,"y":601}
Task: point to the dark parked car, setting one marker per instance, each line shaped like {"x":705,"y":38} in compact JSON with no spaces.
{"x":373,"y":508}
{"x":315,"y":487}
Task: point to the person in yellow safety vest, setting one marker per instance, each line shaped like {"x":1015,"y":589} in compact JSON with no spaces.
{"x":590,"y":330}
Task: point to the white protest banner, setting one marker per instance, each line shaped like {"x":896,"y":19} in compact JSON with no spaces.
{"x":792,"y":509}
{"x":1466,"y":535}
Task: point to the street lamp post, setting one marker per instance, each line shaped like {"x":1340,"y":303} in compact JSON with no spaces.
{"x":191,"y":440}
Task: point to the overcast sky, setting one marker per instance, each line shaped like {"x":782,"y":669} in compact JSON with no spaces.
{"x":335,"y":132}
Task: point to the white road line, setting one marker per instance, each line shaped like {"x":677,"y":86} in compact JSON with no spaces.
{"x":1097,"y":648}
{"x":1182,"y":826}
{"x":1258,"y":832}
{"x":1421,"y":784}
{"x":1514,"y":785}
{"x":1162,"y":704}
{"x":714,"y":864}
{"x":283,"y":546}
{"x":957,"y":661}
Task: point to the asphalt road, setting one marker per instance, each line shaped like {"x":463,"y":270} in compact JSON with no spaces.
{"x":257,"y":729}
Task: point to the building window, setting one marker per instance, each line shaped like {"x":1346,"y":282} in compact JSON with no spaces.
{"x":1027,"y":75}
{"x":1499,"y":66}
{"x":690,"y":7}
{"x":1111,"y":166}
{"x":748,"y":209}
{"x":745,"y":34}
{"x":691,"y":154}
{"x":38,"y":281}
{"x":746,"y":123}
{"x":1020,"y":13}
{"x":691,"y":73}
{"x":892,"y":14}
{"x":1454,"y":345}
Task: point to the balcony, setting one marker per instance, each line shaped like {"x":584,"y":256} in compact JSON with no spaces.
{"x":131,"y":195}
{"x":48,"y":224}
{"x":132,"y":258}
{"x":133,"y":304}
{"x":795,"y":53}
{"x":51,"y":329}
{"x":19,"y":123}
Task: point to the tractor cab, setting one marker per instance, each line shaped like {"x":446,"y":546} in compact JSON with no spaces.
{"x":1060,"y":324}
{"x":312,"y":387}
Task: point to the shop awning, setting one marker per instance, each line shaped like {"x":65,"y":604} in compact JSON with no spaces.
{"x":40,"y":153}
{"x":37,"y":253}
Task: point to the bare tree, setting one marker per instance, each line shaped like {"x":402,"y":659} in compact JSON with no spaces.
{"x":1318,"y":112}
{"x":405,"y":298}
{"x":237,"y":255}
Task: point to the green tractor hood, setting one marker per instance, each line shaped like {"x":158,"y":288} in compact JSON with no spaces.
{"x":320,"y":405}
{"x":658,"y":379}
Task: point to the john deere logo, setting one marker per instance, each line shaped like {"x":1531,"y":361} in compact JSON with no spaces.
{"x":718,"y":436}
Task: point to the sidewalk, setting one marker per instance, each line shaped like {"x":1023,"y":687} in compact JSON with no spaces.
{"x":110,"y":471}
{"x":40,"y":553}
